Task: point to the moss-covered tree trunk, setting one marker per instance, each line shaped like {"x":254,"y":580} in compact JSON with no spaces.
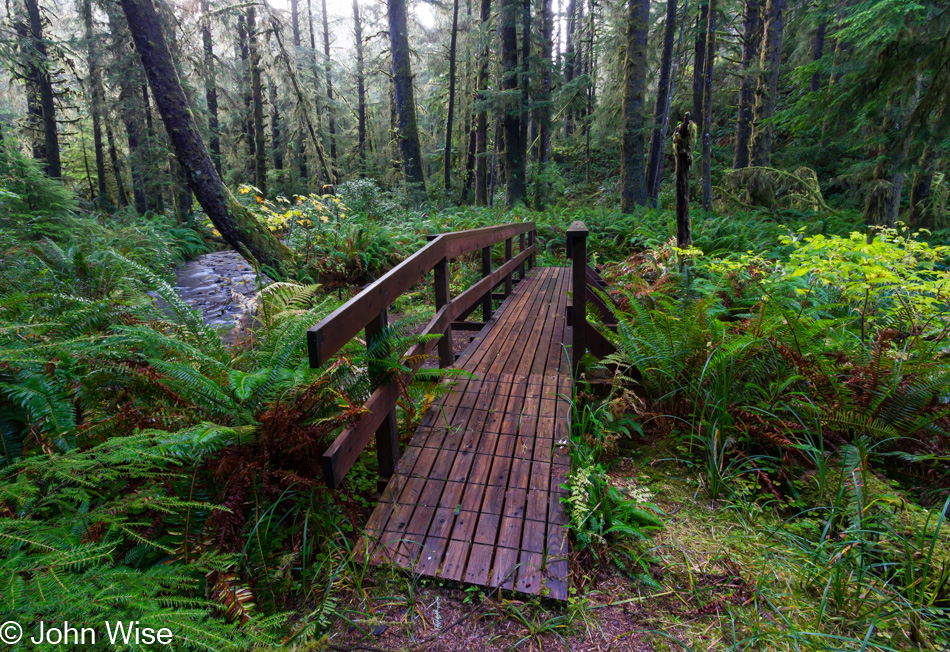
{"x":708,"y":105}
{"x":751,"y":39}
{"x":770,"y":57}
{"x":96,"y":96}
{"x":511,"y":102}
{"x":447,"y":155}
{"x":121,"y":200}
{"x":211,"y":87}
{"x":633,"y":186}
{"x":481,"y":118}
{"x":299,"y":152}
{"x":257,"y":97}
{"x":360,"y":88}
{"x":661,"y":108}
{"x":38,"y":60}
{"x":699,"y":60}
{"x":683,"y":156}
{"x":405,"y":102}
{"x":544,"y":101}
{"x":331,"y":115}
{"x":235,"y":223}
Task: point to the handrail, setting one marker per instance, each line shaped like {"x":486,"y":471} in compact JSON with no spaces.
{"x":577,"y":252}
{"x":367,"y":310}
{"x":343,"y":324}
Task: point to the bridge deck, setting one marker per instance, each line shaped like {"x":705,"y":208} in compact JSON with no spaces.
{"x":476,"y":495}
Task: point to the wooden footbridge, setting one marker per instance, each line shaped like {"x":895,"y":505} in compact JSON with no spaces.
{"x":476,"y":495}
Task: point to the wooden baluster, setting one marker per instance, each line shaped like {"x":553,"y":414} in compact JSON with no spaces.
{"x":521,"y":247}
{"x":532,"y":239}
{"x":442,"y":297}
{"x":486,"y":270}
{"x":577,"y":246}
{"x":387,"y":435}
{"x":507,"y":258}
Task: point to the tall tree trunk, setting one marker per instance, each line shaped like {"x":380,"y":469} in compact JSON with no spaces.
{"x":481,"y":119}
{"x":152,"y":164}
{"x":211,"y":87}
{"x":257,"y":96}
{"x":683,"y":157}
{"x":331,"y":118}
{"x":661,"y":109}
{"x":34,"y":108}
{"x":299,"y":153}
{"x":511,"y":118}
{"x":303,"y":102}
{"x":247,"y":86}
{"x":447,"y":156}
{"x":544,"y":108}
{"x":360,"y":88}
{"x":817,"y":51}
{"x":39,"y":62}
{"x":276,"y":142}
{"x":405,"y":102}
{"x":751,"y":39}
{"x":235,"y":223}
{"x":576,"y":67}
{"x":525,"y":75}
{"x":570,"y":55}
{"x":633,"y":187}
{"x":96,"y":99}
{"x":767,"y":87}
{"x":699,"y":61}
{"x":121,"y":200}
{"x":708,"y":106}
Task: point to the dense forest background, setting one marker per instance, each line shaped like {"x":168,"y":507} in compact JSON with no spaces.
{"x":187,"y":187}
{"x":481,"y":102}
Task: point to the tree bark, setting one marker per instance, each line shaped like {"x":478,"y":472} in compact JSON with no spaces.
{"x":235,"y":223}
{"x":511,"y":103}
{"x":121,"y":199}
{"x":39,"y":63}
{"x":151,"y":163}
{"x":633,"y":189}
{"x":360,"y":88}
{"x":447,"y":155}
{"x":751,"y":39}
{"x":405,"y":102}
{"x":767,"y":87}
{"x":699,"y":61}
{"x":708,"y":106}
{"x":247,"y":119}
{"x":299,"y":153}
{"x":544,"y":101}
{"x":331,"y":117}
{"x":817,"y":51}
{"x":211,"y":87}
{"x":96,"y":97}
{"x":683,"y":156}
{"x":570,"y":55}
{"x":481,"y":118}
{"x":257,"y":97}
{"x":661,"y":110}
{"x":276,"y":142}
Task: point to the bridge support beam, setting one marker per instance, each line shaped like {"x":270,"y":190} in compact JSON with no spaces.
{"x":387,"y":434}
{"x":577,"y":251}
{"x":442,"y":297}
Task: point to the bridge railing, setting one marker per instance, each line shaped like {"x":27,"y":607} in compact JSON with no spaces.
{"x":367,"y":311}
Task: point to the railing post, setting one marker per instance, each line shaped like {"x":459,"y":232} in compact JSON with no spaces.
{"x":521,"y":248}
{"x":442,"y":298}
{"x":577,"y":246}
{"x":387,"y":435}
{"x":532,"y":239}
{"x":486,"y":270}
{"x":507,"y":258}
